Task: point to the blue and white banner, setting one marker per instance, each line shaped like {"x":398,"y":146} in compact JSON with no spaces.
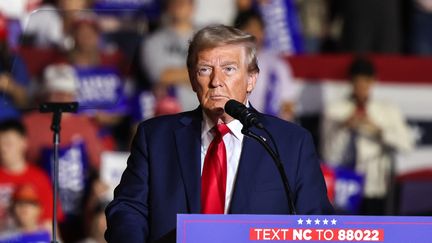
{"x":101,"y":88}
{"x":344,"y":188}
{"x":282,"y":26}
{"x":73,"y":175}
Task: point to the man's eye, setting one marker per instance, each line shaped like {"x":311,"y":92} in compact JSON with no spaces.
{"x":204,"y":71}
{"x":230,"y":70}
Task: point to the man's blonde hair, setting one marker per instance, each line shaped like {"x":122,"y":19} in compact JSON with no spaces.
{"x":220,"y":35}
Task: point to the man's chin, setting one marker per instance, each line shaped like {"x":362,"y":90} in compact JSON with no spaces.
{"x":218,"y":110}
{"x":214,"y":110}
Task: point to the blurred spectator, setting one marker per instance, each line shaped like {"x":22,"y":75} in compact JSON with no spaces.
{"x":15,"y":172}
{"x":60,"y":85}
{"x":145,"y":105}
{"x":313,"y":16}
{"x":87,"y":50}
{"x":101,"y":77}
{"x":363,"y":134}
{"x":27,"y":209}
{"x":368,"y":25}
{"x":80,"y":148}
{"x":51,"y":24}
{"x":214,"y":12}
{"x":421,"y":36}
{"x":13,"y":78}
{"x":164,"y":52}
{"x":97,"y":225}
{"x":275,"y":91}
{"x":44,"y":27}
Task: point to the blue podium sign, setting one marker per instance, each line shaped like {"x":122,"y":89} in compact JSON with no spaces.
{"x":192,"y":228}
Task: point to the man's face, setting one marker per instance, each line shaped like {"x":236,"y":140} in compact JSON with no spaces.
{"x":27,"y":213}
{"x":12,"y":146}
{"x":255,"y":28}
{"x":362,"y":87}
{"x":222,"y":74}
{"x":86,"y":37}
{"x":181,"y":10}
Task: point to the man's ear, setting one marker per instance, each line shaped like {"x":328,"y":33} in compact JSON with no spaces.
{"x":251,"y":81}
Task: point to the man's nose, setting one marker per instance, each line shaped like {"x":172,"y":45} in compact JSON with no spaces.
{"x":217,"y":78}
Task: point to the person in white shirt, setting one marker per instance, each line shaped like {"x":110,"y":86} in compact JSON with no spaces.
{"x":363,"y":134}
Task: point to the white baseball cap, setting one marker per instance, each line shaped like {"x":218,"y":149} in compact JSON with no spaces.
{"x":60,"y":77}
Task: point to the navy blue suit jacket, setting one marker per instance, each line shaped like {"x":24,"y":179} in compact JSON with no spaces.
{"x":163,"y":177}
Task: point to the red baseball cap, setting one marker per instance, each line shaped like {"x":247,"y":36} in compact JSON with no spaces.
{"x":26,"y":193}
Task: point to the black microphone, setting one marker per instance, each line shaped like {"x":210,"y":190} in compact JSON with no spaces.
{"x":240,"y":112}
{"x":248,"y":118}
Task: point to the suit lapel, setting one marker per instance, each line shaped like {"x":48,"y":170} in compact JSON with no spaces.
{"x":188,"y":141}
{"x":251,"y":156}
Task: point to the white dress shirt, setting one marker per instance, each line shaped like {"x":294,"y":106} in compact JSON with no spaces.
{"x":233,"y":143}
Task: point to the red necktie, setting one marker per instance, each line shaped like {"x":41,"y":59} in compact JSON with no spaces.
{"x":213,"y":179}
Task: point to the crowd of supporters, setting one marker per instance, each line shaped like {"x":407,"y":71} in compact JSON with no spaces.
{"x":124,"y":61}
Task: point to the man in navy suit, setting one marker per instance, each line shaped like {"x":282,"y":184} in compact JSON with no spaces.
{"x":167,"y":171}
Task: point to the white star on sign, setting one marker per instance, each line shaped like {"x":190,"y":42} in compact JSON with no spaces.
{"x":317,"y":221}
{"x":300,"y":221}
{"x":308,"y":221}
{"x":325,"y":221}
{"x":333,"y":221}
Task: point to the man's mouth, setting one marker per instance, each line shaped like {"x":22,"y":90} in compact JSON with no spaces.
{"x":218,"y":97}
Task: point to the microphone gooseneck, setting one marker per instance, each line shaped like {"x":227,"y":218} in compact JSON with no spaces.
{"x":249,"y":118}
{"x":57,"y":108}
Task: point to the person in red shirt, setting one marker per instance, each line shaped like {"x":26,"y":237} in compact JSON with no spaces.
{"x":15,"y":172}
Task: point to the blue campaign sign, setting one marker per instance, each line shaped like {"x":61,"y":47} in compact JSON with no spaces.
{"x":142,"y":106}
{"x":73,"y":175}
{"x":282,"y":26}
{"x":348,"y":190}
{"x":194,"y":228}
{"x":101,"y":88}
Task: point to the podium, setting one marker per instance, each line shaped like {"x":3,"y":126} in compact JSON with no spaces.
{"x":198,"y":228}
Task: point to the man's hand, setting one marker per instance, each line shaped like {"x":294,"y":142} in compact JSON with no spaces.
{"x":370,"y":127}
{"x":361,"y":122}
{"x":354,"y":121}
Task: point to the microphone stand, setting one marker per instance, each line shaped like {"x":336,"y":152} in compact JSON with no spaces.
{"x":57,"y":109}
{"x":277,"y":162}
